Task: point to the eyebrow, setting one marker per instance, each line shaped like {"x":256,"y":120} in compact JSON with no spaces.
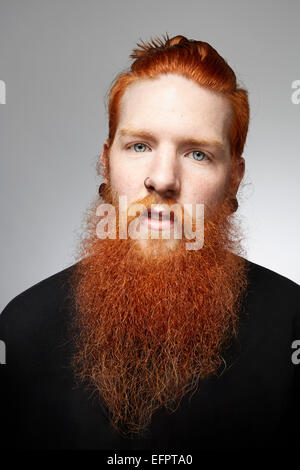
{"x":141,"y":133}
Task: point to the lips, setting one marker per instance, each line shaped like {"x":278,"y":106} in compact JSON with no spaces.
{"x":159,"y":213}
{"x":158,"y":218}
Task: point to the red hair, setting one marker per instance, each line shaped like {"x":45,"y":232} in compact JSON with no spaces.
{"x":195,"y":60}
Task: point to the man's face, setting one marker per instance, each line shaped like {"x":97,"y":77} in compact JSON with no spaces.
{"x":176,"y":133}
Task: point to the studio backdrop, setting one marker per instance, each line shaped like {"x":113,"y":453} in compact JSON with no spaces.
{"x":57,"y":61}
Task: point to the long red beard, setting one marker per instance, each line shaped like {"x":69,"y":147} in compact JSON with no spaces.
{"x":147,"y":330}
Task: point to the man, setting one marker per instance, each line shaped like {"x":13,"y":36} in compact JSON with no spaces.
{"x":149,"y":341}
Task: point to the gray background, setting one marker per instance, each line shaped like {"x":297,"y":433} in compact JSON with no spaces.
{"x":58,"y":59}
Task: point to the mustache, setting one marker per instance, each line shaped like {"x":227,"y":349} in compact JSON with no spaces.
{"x":155,"y":205}
{"x":153,"y":199}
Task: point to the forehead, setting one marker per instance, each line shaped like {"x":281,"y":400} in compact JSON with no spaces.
{"x":172,"y":105}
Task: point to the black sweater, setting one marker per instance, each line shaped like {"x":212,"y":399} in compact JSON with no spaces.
{"x":253,"y":403}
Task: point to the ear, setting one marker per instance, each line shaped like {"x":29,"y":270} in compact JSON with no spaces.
{"x":238,"y":174}
{"x":104,"y":160}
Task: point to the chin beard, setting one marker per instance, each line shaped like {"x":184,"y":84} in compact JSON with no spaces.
{"x":147,"y":330}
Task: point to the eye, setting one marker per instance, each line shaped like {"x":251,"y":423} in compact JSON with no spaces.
{"x":198,"y":155}
{"x":139,"y":147}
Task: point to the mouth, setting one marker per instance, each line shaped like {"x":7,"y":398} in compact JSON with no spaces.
{"x":158,"y":219}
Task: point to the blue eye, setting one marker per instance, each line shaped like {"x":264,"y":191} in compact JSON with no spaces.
{"x":139,"y":147}
{"x":198,"y":155}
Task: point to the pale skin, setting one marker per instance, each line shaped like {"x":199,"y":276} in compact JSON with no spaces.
{"x":176,"y":133}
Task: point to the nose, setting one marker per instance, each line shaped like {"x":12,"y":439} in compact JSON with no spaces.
{"x":164,"y":178}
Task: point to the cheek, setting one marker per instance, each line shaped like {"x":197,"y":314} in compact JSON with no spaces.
{"x":118,"y":173}
{"x":210,"y":189}
{"x":124,"y":180}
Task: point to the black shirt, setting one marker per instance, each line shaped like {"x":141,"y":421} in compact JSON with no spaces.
{"x":254,"y":402}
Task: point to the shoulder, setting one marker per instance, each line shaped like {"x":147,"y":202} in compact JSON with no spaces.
{"x":37,"y":309}
{"x":266,"y":280}
{"x":271,"y":295}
